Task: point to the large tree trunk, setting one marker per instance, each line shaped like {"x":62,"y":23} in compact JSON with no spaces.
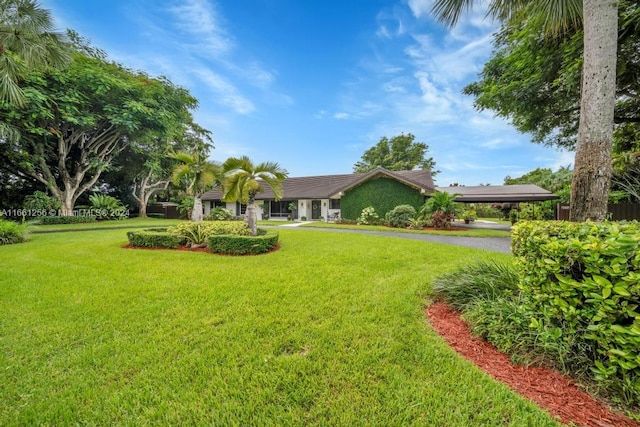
{"x":592,"y":165}
{"x":196,"y":214}
{"x":143,"y":192}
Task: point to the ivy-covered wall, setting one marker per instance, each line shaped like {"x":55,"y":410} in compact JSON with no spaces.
{"x":382,"y":193}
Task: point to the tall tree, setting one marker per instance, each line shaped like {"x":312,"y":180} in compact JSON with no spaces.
{"x":75,"y":121}
{"x":244,"y":181}
{"x":592,"y":173}
{"x":196,"y":174}
{"x":398,"y":153}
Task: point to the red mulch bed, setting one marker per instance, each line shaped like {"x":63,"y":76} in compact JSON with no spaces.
{"x":549,"y":389}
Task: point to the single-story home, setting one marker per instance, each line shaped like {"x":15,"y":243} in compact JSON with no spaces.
{"x":327,"y":197}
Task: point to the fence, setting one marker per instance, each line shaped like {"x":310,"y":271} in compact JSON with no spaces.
{"x":618,"y":212}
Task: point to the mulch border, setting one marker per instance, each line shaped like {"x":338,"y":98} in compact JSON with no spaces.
{"x":551,"y":390}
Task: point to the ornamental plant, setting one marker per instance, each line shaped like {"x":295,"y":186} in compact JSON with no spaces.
{"x":368,"y":216}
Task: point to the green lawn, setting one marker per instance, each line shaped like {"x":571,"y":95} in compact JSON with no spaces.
{"x":329,"y":330}
{"x":126,"y":223}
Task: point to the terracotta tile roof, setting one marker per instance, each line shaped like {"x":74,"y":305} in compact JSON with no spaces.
{"x":327,"y":186}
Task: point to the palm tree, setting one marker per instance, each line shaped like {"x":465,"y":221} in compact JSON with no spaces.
{"x":243,"y":181}
{"x":197,"y":174}
{"x":592,"y":165}
{"x":27,"y":42}
{"x":442,"y":208}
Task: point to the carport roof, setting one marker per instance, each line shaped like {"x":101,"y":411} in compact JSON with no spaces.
{"x":500,"y":193}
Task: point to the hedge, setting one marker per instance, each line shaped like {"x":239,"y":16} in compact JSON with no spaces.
{"x":383,"y":194}
{"x":154,"y":238}
{"x":50,"y":220}
{"x":584,"y":279}
{"x":229,"y":244}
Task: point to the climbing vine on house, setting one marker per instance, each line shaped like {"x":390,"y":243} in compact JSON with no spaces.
{"x":383,"y":194}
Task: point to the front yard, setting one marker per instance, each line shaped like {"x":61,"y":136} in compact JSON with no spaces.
{"x":330,"y":329}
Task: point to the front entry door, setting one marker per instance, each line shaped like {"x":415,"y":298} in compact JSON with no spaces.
{"x":316,"y":209}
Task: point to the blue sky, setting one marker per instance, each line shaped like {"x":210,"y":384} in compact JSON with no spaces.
{"x":313,"y":84}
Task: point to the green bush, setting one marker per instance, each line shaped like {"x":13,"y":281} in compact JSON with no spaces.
{"x":154,"y":238}
{"x":584,"y":280}
{"x":50,"y":220}
{"x":228,"y":244}
{"x":107,"y":207}
{"x":12,"y":232}
{"x":220,"y":214}
{"x":368,"y":216}
{"x":400,"y":216}
{"x":40,"y":201}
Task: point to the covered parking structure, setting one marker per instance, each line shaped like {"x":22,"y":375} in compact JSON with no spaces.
{"x":500,"y":193}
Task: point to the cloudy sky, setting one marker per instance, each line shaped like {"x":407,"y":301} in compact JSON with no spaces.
{"x":313,"y":84}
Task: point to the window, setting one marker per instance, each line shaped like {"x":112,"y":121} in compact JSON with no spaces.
{"x":334,"y":203}
{"x":280,"y":208}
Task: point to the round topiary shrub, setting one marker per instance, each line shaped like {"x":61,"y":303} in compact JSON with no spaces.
{"x":400,"y":216}
{"x":229,"y":244}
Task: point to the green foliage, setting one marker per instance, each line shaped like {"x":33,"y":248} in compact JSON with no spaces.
{"x":154,"y":238}
{"x":197,"y":233}
{"x":441,"y":208}
{"x":12,"y":232}
{"x":75,"y":219}
{"x":220,"y":214}
{"x":368,"y":216}
{"x":382,"y":193}
{"x":185,"y":206}
{"x":107,"y":207}
{"x":533,"y":212}
{"x":480,"y":281}
{"x":469,"y":215}
{"x":400,"y":216}
{"x":41,"y":201}
{"x":584,"y":280}
{"x":396,"y":154}
{"x":229,"y":244}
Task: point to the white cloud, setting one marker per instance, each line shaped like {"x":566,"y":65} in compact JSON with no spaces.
{"x":227,"y":94}
{"x":199,"y":19}
{"x":341,"y":115}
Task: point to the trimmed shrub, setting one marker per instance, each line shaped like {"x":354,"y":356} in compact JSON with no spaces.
{"x":40,"y":201}
{"x":228,"y":244}
{"x":583,"y":280}
{"x":12,"y":232}
{"x":51,"y":220}
{"x":154,"y":238}
{"x":400,"y":216}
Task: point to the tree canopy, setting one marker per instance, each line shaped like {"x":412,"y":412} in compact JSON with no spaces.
{"x":398,"y":153}
{"x":75,"y":121}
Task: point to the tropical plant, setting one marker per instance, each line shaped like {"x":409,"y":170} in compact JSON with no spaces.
{"x":196,"y":174}
{"x":243,"y":180}
{"x":27,"y":42}
{"x":469,"y":215}
{"x":107,"y":207}
{"x":442,"y":208}
{"x":592,"y":164}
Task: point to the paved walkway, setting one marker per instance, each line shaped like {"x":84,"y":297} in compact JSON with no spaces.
{"x":498,"y":244}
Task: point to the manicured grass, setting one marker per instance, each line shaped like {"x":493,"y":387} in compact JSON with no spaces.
{"x":329,"y":330}
{"x":471,"y":232}
{"x":125,"y":223}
